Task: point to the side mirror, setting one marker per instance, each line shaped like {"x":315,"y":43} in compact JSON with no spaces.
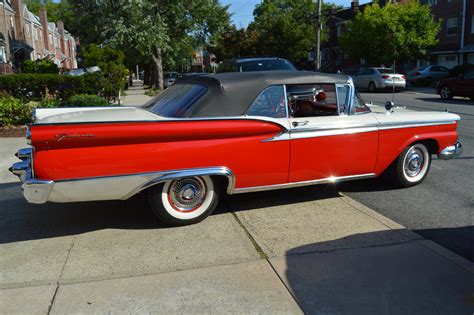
{"x":389,"y":105}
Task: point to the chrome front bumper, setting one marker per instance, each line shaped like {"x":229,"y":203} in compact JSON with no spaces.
{"x":35,"y":191}
{"x":451,"y":152}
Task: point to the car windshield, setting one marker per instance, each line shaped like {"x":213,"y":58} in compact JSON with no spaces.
{"x":385,"y":70}
{"x":420,"y":68}
{"x":178,"y":101}
{"x":265,"y":65}
{"x":171,"y":75}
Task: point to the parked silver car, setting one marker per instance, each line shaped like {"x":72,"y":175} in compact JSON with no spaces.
{"x":427,"y":74}
{"x":378,"y":78}
{"x":169,"y":78}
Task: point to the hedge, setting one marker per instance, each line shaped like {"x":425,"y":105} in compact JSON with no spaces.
{"x":35,"y":87}
{"x":84,"y":100}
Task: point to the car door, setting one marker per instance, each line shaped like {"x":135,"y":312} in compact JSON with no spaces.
{"x":329,"y":140}
{"x":359,"y":78}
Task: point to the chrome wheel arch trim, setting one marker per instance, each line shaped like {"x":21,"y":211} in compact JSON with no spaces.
{"x":164,"y":176}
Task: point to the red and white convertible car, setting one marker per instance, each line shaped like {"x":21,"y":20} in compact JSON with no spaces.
{"x":228,"y":133}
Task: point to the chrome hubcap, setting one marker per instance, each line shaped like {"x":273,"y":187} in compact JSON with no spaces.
{"x":187,"y":194}
{"x":445,"y":92}
{"x":414,"y":162}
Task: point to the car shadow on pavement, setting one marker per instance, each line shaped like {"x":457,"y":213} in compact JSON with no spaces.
{"x":266,"y":199}
{"x":382,"y":183}
{"x":396,"y":278}
{"x":22,"y":221}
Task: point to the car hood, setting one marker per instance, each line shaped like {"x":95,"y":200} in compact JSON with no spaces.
{"x":401,"y":115}
{"x":91,"y":114}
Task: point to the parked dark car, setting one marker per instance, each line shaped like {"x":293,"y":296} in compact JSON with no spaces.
{"x":427,"y":74}
{"x":255,"y":64}
{"x":461,"y":85}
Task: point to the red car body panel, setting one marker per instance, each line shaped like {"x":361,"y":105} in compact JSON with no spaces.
{"x":333,"y":156}
{"x":394,"y":141}
{"x":98,"y":150}
{"x":131,"y":148}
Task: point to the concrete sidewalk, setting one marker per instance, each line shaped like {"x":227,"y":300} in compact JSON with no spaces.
{"x":307,"y":250}
{"x":135,"y":95}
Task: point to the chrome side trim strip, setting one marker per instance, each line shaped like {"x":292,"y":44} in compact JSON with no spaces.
{"x":396,"y":125}
{"x":304,"y":183}
{"x":326,"y":131}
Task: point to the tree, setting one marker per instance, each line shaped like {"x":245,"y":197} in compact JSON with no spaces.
{"x":393,"y":32}
{"x":287,"y":28}
{"x":235,"y":43}
{"x":110,"y":62}
{"x":148,"y":31}
{"x":57,"y":11}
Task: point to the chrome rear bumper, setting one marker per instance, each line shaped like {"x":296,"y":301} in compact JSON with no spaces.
{"x":93,"y":189}
{"x":35,"y":191}
{"x":450,"y":152}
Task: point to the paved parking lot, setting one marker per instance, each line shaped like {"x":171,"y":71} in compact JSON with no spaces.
{"x":308,"y":250}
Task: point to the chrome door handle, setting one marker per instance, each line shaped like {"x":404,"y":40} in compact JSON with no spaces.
{"x":299,"y":123}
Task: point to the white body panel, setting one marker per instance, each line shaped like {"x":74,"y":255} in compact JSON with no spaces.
{"x":91,"y":114}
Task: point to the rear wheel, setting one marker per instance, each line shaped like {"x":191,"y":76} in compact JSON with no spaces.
{"x":446,"y":93}
{"x":372,"y":87}
{"x":413,"y":165}
{"x":184,"y":201}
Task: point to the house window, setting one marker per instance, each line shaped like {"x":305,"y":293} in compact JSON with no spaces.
{"x":27,"y":30}
{"x":432,"y":2}
{"x":452,"y":26}
{"x":3,"y":56}
{"x":450,"y":58}
{"x":36,"y":31}
{"x":339,"y":30}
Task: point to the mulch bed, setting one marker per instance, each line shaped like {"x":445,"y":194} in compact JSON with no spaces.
{"x":14,"y":131}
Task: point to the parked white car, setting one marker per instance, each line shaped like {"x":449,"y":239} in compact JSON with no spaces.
{"x":378,"y":78}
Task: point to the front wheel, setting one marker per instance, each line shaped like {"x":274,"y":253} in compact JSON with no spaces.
{"x":184,"y":201}
{"x":446,"y":93}
{"x":413,"y":165}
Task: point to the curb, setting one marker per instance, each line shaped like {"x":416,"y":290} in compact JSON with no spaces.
{"x":12,"y":132}
{"x":435,"y":247}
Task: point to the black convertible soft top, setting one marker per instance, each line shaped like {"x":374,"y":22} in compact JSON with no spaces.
{"x":230,"y":94}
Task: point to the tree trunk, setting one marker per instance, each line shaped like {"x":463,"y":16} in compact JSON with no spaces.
{"x":157,"y":58}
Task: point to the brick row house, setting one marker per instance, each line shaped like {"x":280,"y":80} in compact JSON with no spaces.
{"x":456,"y":35}
{"x":26,"y":36}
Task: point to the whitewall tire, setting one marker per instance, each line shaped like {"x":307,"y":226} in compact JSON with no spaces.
{"x":413,"y":165}
{"x":184,"y":201}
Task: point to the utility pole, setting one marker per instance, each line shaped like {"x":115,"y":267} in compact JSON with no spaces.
{"x":317,"y":47}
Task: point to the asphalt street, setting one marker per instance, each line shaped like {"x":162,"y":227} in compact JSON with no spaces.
{"x":442,"y":207}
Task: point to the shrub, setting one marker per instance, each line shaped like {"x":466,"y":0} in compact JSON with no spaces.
{"x":13,"y":111}
{"x":30,"y":66}
{"x":36,"y":87}
{"x":84,"y":100}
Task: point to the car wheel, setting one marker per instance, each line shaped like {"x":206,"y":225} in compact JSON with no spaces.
{"x":413,"y":165}
{"x":446,"y":93}
{"x":184,"y":201}
{"x":372,"y":87}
